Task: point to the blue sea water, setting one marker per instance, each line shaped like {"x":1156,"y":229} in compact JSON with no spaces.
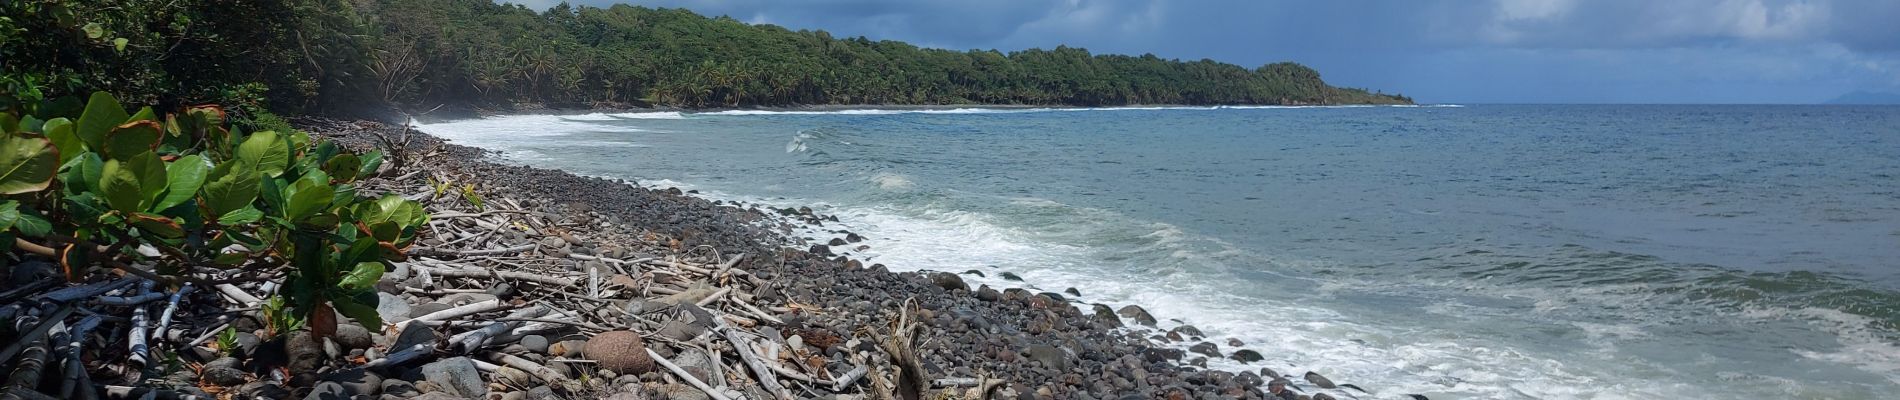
{"x":1486,"y":251}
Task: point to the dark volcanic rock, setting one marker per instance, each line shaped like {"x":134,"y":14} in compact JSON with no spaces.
{"x":948,"y":281}
{"x":1140,"y":315}
{"x":1320,"y":381}
{"x":1207,"y":348}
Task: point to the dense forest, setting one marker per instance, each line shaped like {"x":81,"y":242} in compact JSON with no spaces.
{"x":343,"y":56}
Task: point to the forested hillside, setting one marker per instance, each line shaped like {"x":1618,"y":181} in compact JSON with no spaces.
{"x":343,"y":55}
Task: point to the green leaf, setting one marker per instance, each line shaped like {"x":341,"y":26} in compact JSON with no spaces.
{"x":144,"y":114}
{"x":364,"y":276}
{"x":9,"y":123}
{"x":183,"y":178}
{"x":308,"y":196}
{"x":132,"y":185}
{"x":31,"y":224}
{"x":82,"y":173}
{"x":102,"y":114}
{"x":231,"y":188}
{"x":265,"y":152}
{"x":241,"y":216}
{"x":27,"y":163}
{"x":60,"y":131}
{"x":133,"y":138}
{"x":94,"y":30}
{"x":9,"y":214}
{"x":468,"y":193}
{"x":364,"y":314}
{"x":119,"y":182}
{"x":119,"y":44}
{"x":372,"y":161}
{"x":343,"y":167}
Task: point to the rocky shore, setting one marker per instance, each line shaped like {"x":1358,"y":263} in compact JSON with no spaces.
{"x":534,"y":283}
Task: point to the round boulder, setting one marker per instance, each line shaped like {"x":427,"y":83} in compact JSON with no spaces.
{"x":619,"y":351}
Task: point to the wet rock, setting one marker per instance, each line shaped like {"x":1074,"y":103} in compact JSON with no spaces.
{"x":1010,"y":276}
{"x":356,"y":381}
{"x":822,"y":250}
{"x":1232,"y":342}
{"x":1072,"y":292}
{"x":1320,"y":381}
{"x":853,"y":238}
{"x":837,"y":242}
{"x":948,"y":281}
{"x":978,"y":274}
{"x":457,"y":376}
{"x":1206,"y":348}
{"x":1156,"y":354}
{"x":1105,"y":316}
{"x":985,"y":293}
{"x":1140,"y":315}
{"x":619,"y":351}
{"x":1189,"y":331}
{"x":1246,"y":356}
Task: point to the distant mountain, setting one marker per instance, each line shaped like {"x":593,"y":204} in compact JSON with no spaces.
{"x":1866,"y":97}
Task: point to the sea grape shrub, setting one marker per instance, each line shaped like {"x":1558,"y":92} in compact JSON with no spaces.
{"x":97,"y":184}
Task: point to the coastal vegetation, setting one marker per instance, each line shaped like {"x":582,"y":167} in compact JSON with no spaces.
{"x":170,"y":197}
{"x":340,"y":56}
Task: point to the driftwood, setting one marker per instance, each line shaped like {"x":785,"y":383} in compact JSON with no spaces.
{"x":681,"y":373}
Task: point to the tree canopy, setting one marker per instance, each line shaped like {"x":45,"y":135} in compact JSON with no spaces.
{"x":325,"y":55}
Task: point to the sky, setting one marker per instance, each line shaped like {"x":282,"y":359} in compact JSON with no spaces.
{"x":1437,"y":51}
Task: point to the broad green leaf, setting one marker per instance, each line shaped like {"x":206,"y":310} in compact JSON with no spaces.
{"x":364,"y":314}
{"x":60,"y":131}
{"x":230,"y":189}
{"x":133,"y":138}
{"x":9,"y":214}
{"x":265,"y":152}
{"x":31,"y":224}
{"x":151,"y":172}
{"x":9,"y":123}
{"x":144,"y":114}
{"x":119,"y":44}
{"x":371,"y":162}
{"x":102,"y":114}
{"x":364,"y":276}
{"x":343,"y":167}
{"x":32,"y":124}
{"x":157,"y":225}
{"x":120,"y":185}
{"x":93,"y":30}
{"x":308,"y":196}
{"x":27,"y":163}
{"x":241,"y":216}
{"x":183,"y":178}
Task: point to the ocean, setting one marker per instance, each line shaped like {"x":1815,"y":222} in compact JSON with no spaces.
{"x":1481,"y":251}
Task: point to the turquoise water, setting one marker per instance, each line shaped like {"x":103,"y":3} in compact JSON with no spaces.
{"x":1460,"y":252}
